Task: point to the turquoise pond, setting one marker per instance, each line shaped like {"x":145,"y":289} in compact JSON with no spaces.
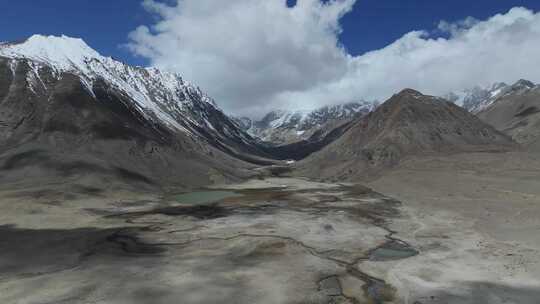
{"x":392,"y":251}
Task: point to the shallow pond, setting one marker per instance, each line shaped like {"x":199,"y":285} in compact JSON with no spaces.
{"x":392,"y":250}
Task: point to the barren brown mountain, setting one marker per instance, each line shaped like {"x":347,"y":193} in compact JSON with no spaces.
{"x":409,"y":123}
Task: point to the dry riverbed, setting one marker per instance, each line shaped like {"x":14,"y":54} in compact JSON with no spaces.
{"x":278,"y":240}
{"x":475,"y":219}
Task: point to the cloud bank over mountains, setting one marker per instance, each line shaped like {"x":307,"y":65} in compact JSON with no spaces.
{"x":257,"y":55}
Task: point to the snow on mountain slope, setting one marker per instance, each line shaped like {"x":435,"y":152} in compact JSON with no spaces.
{"x":162,"y":97}
{"x":282,"y":127}
{"x":517,"y":113}
{"x":161,"y":94}
{"x":478,"y":98}
{"x":337,"y":112}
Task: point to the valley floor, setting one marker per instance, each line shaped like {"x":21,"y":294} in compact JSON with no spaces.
{"x":460,"y":229}
{"x":476,"y":220}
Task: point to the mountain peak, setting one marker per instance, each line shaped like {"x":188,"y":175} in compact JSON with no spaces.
{"x":38,"y":38}
{"x":62,"y":52}
{"x":163,"y":94}
{"x":408,"y":124}
{"x":523,"y":83}
{"x":411,"y":92}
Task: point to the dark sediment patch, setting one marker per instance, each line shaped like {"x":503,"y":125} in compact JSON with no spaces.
{"x":43,"y":194}
{"x":25,"y":159}
{"x":31,"y":252}
{"x":278,"y":171}
{"x":120,"y":205}
{"x":58,"y":194}
{"x":265,"y":195}
{"x":323,"y":198}
{"x":359,"y":190}
{"x":87,"y":190}
{"x":132,"y":176}
{"x":201,"y":212}
{"x":528,"y":111}
{"x":204,"y":197}
{"x":130,"y":244}
{"x":246,"y":201}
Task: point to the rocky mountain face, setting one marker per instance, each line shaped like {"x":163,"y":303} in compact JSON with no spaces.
{"x":479,"y":98}
{"x":285,"y":127}
{"x":517,"y":113}
{"x":407,"y":124}
{"x":65,"y":107}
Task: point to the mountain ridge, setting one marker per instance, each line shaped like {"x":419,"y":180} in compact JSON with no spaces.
{"x":281,"y":127}
{"x":68,"y":111}
{"x":478,"y":98}
{"x":517,"y":114}
{"x":407,"y":124}
{"x":162,"y":97}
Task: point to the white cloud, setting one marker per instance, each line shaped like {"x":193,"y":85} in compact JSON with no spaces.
{"x":254,"y":55}
{"x":456,"y":27}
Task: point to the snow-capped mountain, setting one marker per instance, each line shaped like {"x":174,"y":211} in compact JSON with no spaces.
{"x":65,"y":111}
{"x":337,"y":112}
{"x":244,"y":123}
{"x":161,"y":97}
{"x":282,"y":127}
{"x":517,"y":113}
{"x":479,"y":98}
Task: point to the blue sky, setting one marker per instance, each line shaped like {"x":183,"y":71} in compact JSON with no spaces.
{"x":377,"y":23}
{"x":105,"y":25}
{"x":253,"y":56}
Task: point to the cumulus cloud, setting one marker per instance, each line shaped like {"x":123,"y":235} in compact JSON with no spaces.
{"x":256,"y":55}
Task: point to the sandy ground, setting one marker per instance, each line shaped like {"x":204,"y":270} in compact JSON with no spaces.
{"x":476,"y":220}
{"x":459,"y":229}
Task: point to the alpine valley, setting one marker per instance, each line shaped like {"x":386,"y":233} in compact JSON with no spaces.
{"x":125,"y":184}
